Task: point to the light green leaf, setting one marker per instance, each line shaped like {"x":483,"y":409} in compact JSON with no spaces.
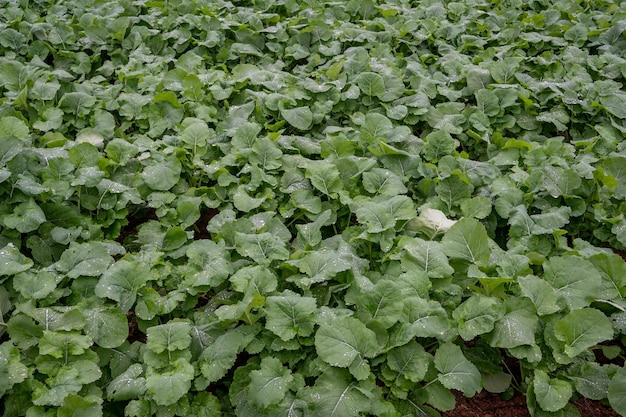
{"x":169,"y":387}
{"x":289,"y":316}
{"x":175,"y":335}
{"x":77,"y":406}
{"x":456,"y":372}
{"x":59,"y":344}
{"x":26,"y":217}
{"x":477,"y":315}
{"x":122,"y":281}
{"x":298,"y":117}
{"x":467,"y":239}
{"x":162,"y":175}
{"x":12,"y":371}
{"x":67,"y":381}
{"x":540,"y":293}
{"x":383,"y":182}
{"x":375,"y":128}
{"x":269,"y":384}
{"x":552,"y":394}
{"x":128,"y":385}
{"x":77,"y":103}
{"x":345,"y":342}
{"x":613,"y":271}
{"x":431,"y":222}
{"x":336,"y":395}
{"x":371,"y":84}
{"x":410,"y":361}
{"x":218,"y":358}
{"x":617,"y":391}
{"x":108,"y":327}
{"x":84,"y":259}
{"x":574,"y":279}
{"x":262,"y":247}
{"x":516,"y":328}
{"x":438,"y":144}
{"x":427,"y":256}
{"x":382,"y":303}
{"x":324,"y":176}
{"x":581,"y":329}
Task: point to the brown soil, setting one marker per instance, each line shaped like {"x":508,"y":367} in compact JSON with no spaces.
{"x":486,"y":404}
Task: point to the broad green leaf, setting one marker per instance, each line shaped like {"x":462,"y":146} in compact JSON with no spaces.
{"x":168,"y":387}
{"x":380,"y":181}
{"x":552,"y":394}
{"x":12,"y":371}
{"x":323,"y":264}
{"x":427,"y":256}
{"x":614,"y":167}
{"x":477,"y":207}
{"x":12,"y":261}
{"x":371,"y":84}
{"x":218,"y":358}
{"x":289,"y":316}
{"x":60,"y":344}
{"x":477,"y":316}
{"x":467,"y":239}
{"x":128,"y":385}
{"x":26,"y":217}
{"x":582,"y":329}
{"x":410,"y":361}
{"x":540,"y":293}
{"x":299,"y":117}
{"x":122,"y":281}
{"x":258,"y":278}
{"x":613,"y":271}
{"x":77,"y":406}
{"x":375,"y":128}
{"x":262,"y":247}
{"x":617,"y":391}
{"x":67,"y":381}
{"x":324,"y":176}
{"x":515,"y":328}
{"x":35,"y":285}
{"x":456,"y":372}
{"x":381,"y":304}
{"x":77,"y":103}
{"x":269,"y":384}
{"x":84,"y":259}
{"x":345,"y":342}
{"x":428,"y":318}
{"x":590,"y":379}
{"x":211,"y":260}
{"x":162,"y":175}
{"x":108,"y":327}
{"x":574,"y":279}
{"x":336,"y":395}
{"x":175,"y":335}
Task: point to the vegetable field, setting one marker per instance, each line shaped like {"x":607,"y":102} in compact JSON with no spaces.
{"x":311,"y":208}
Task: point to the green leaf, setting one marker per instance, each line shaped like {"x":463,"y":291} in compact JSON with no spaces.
{"x":438,"y":144}
{"x":574,"y":279}
{"x":613,"y":271}
{"x":169,"y":387}
{"x":269,"y":384}
{"x":162,"y":175}
{"x":426,"y":255}
{"x":431,"y":222}
{"x":175,"y":335}
{"x":12,"y":261}
{"x":26,"y":217}
{"x":77,"y":406}
{"x":108,"y":327}
{"x":581,"y":329}
{"x":410,"y":361}
{"x":552,"y":394}
{"x":346,"y":342}
{"x":122,"y":282}
{"x":60,"y":344}
{"x":324,"y":176}
{"x":383,"y":182}
{"x":467,"y":239}
{"x":128,"y":385}
{"x":456,"y":372}
{"x":12,"y":371}
{"x":289,"y":316}
{"x":336,"y":395}
{"x":84,"y":259}
{"x":617,"y":391}
{"x":218,"y":358}
{"x":371,"y":84}
{"x":262,"y":247}
{"x":77,"y":103}
{"x":516,"y":328}
{"x":382,"y":303}
{"x":542,"y":295}
{"x":477,"y":315}
{"x":375,"y":128}
{"x":67,"y":381}
{"x":299,"y":117}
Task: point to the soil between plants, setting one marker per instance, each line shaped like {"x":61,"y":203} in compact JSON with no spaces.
{"x":486,"y":404}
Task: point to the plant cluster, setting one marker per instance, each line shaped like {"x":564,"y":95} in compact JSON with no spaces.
{"x":310,"y":208}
